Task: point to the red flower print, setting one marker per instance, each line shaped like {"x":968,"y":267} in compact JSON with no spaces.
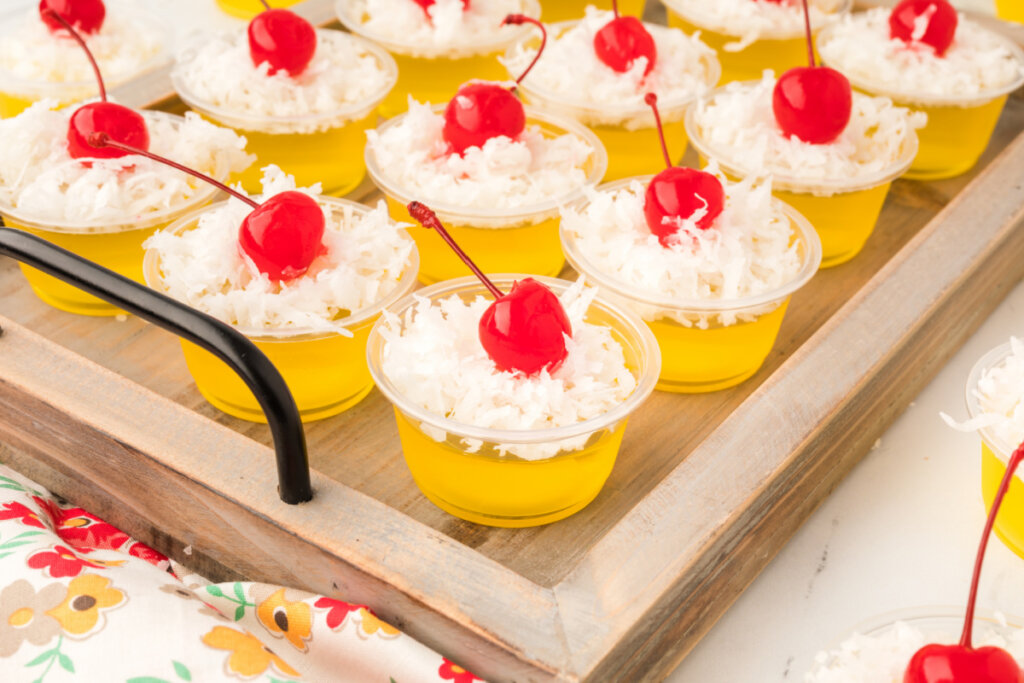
{"x":81,"y":529}
{"x":339,"y":610}
{"x":27,"y":516}
{"x":450,"y":671}
{"x":143,"y":551}
{"x":50,"y":508}
{"x":60,"y":562}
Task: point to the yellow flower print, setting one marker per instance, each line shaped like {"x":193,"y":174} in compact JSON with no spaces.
{"x":249,"y":657}
{"x":285,"y":618}
{"x":80,"y":612}
{"x":371,"y":624}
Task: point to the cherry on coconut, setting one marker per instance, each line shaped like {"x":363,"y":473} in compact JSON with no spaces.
{"x":481,"y":111}
{"x":813,"y":103}
{"x":522,"y":331}
{"x":283,"y":39}
{"x":85,"y":15}
{"x":679,"y":193}
{"x":938,"y":18}
{"x":622,"y":41}
{"x":963,"y":663}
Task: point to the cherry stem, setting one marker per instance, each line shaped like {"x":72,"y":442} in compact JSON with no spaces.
{"x":265,"y":4}
{"x":615,"y":8}
{"x":519,"y":19}
{"x":428,"y":219}
{"x":652,"y":101}
{"x":1004,"y":486}
{"x":53,"y":14}
{"x":102,"y":139}
{"x":810,"y":37}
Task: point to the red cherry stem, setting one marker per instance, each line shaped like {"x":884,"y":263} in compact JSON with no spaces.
{"x":615,"y":8}
{"x":652,"y":101}
{"x":428,"y":219}
{"x":810,"y":37}
{"x":101,"y":139}
{"x":518,"y":20}
{"x":264,"y":2}
{"x":1004,"y":486}
{"x":81,"y":41}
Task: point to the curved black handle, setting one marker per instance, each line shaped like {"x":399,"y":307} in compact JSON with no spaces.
{"x":222,"y":340}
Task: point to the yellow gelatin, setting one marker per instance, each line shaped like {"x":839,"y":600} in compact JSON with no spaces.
{"x":488,"y":488}
{"x":953,"y":139}
{"x":563,"y":10}
{"x":247,"y":9}
{"x":638,"y":152}
{"x":1011,"y":10}
{"x":1009,"y":526}
{"x":11,"y":104}
{"x":436,"y":80}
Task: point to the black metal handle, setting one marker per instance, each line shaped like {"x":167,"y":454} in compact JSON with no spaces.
{"x":222,"y":340}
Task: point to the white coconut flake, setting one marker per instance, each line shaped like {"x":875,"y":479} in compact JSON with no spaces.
{"x":366,"y":256}
{"x":751,"y":20}
{"x":750,"y":249}
{"x":1000,"y":396}
{"x":976,"y":62}
{"x":738,"y":126}
{"x":434,"y":358}
{"x":505,"y":173}
{"x":40,"y":181}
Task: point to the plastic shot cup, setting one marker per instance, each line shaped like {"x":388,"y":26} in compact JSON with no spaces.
{"x":472,"y":473}
{"x":712,"y":344}
{"x":314,"y":148}
{"x":563,"y":10}
{"x":519,"y":240}
{"x":247,"y":9}
{"x":325,"y":371}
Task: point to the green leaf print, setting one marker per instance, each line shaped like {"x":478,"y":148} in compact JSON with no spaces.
{"x":65,"y":663}
{"x":215,"y":590}
{"x":51,"y":656}
{"x":182,"y":671}
{"x":239,"y":592}
{"x":41,"y":658}
{"x":240,"y":612}
{"x":147,"y":679}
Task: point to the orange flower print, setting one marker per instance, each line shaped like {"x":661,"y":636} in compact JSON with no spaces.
{"x":285,"y":618}
{"x":60,"y":562}
{"x":88,"y":596}
{"x":371,"y":624}
{"x":338,"y":611}
{"x":23,"y":615}
{"x":450,"y":671}
{"x":249,"y":657}
{"x":23,"y":513}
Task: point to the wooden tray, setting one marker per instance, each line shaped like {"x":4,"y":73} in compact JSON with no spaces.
{"x":706,"y":490}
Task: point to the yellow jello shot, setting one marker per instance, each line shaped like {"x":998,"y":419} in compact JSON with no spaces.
{"x":752,"y":35}
{"x":565,"y":10}
{"x":247,"y":9}
{"x":1011,"y":10}
{"x":437,"y":53}
{"x":504,"y":474}
{"x":312,"y":125}
{"x":500,"y":203}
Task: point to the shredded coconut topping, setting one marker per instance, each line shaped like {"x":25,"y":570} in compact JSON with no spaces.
{"x":976,"y":62}
{"x":40,"y":181}
{"x":505,"y":173}
{"x":751,"y":20}
{"x":1000,"y":396}
{"x":366,"y":256}
{"x":738,"y":127}
{"x":434,"y":358}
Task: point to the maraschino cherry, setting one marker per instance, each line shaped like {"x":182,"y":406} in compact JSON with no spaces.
{"x":427,"y":4}
{"x":813,"y":103}
{"x":522,"y":331}
{"x":85,"y":15}
{"x":679,"y":193}
{"x":963,"y":663}
{"x":283,"y":39}
{"x":622,"y":41}
{"x":932,"y":22}
{"x":481,"y":111}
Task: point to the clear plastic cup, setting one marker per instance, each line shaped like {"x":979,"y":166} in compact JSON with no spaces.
{"x":434,"y":74}
{"x":844,"y":211}
{"x":520,"y":240}
{"x":117,"y":246}
{"x":314,"y":148}
{"x":325,"y":371}
{"x":483,"y":485}
{"x":778,"y":51}
{"x":1011,"y":10}
{"x":958,"y":128}
{"x":247,"y":9}
{"x":706,"y":345}
{"x":628,"y":132}
{"x":563,"y":10}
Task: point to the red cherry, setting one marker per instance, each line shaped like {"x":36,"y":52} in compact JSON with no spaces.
{"x":956,"y":664}
{"x":85,"y":15}
{"x":425,"y":4}
{"x":479,"y":112}
{"x":283,"y":39}
{"x":122,"y":124}
{"x":939,"y":17}
{"x":283,"y":235}
{"x":622,"y":41}
{"x":679,"y":193}
{"x":814,"y":103}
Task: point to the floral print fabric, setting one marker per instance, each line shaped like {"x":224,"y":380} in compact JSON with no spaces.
{"x":80,"y":600}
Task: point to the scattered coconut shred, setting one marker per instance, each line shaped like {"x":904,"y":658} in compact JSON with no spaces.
{"x":1000,"y":394}
{"x":40,"y":180}
{"x":434,"y":358}
{"x":976,"y":62}
{"x":366,"y":255}
{"x":750,"y":20}
{"x":738,"y":125}
{"x":505,"y":173}
{"x":749,"y":250}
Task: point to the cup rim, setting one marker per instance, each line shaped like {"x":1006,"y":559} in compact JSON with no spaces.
{"x":151,"y":274}
{"x":630,"y":326}
{"x":993,"y":357}
{"x":252,"y":122}
{"x":786,"y":181}
{"x":845,"y":7}
{"x":583,"y":265}
{"x":455,"y":212}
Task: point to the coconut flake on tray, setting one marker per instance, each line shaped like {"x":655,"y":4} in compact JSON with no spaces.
{"x":40,"y":181}
{"x":365,"y":258}
{"x":1000,"y":394}
{"x":738,"y":126}
{"x":860,"y":47}
{"x":503,"y":174}
{"x":749,"y":250}
{"x":753,"y":19}
{"x":433,"y":356}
